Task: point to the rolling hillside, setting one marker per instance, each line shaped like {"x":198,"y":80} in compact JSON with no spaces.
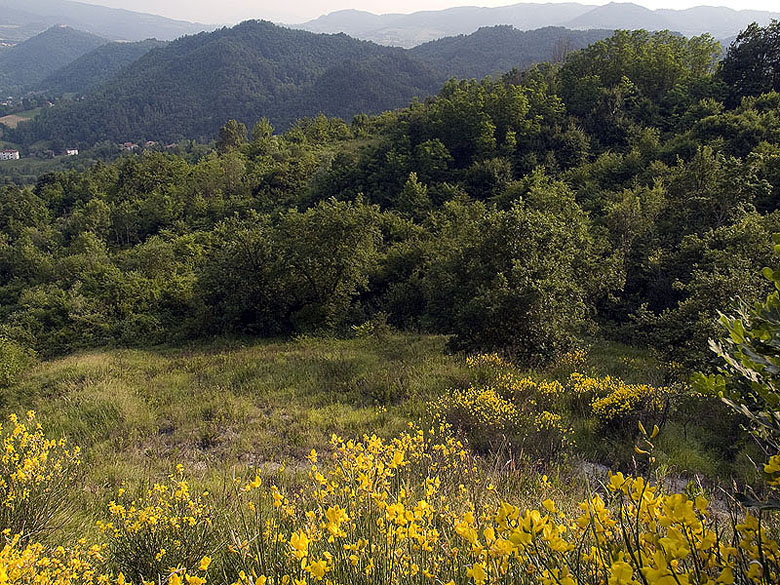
{"x":191,"y":87}
{"x":30,"y":62}
{"x":498,"y":49}
{"x":96,"y":67}
{"x":409,"y":30}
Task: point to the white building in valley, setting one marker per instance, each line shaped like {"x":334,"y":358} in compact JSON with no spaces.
{"x":9,"y":155}
{"x":72,"y":152}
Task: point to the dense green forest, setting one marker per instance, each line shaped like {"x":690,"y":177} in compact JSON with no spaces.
{"x":95,"y":67}
{"x":629,"y":191}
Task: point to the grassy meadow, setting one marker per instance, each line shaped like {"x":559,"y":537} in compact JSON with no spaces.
{"x":383,"y":458}
{"x":223,"y":407}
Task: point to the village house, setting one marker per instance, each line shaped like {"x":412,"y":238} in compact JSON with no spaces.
{"x":9,"y":155}
{"x":72,"y":152}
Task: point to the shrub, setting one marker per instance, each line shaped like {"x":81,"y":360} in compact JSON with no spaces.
{"x":481,"y":413}
{"x":36,"y":477}
{"x":14,"y":359}
{"x":382,"y":512}
{"x":33,"y":564}
{"x":626,"y":404}
{"x":411,"y":510}
{"x":616,"y":404}
{"x":507,"y":409}
{"x":168,"y":527}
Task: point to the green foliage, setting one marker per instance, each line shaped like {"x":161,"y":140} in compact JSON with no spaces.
{"x":14,"y":359}
{"x":749,"y":378}
{"x":614,"y":193}
{"x":752,"y":65}
{"x":634,"y":76}
{"x":231,"y":135}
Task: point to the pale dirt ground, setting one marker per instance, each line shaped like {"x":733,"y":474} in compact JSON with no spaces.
{"x":12,"y":121}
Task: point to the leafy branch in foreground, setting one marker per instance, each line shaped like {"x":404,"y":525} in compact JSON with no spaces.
{"x":749,"y":378}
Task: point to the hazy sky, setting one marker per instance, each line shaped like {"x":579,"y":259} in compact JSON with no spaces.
{"x":232,"y":11}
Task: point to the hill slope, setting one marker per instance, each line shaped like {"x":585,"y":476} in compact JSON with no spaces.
{"x":30,"y":62}
{"x":96,"y":67}
{"x":498,"y":49}
{"x":192,"y":86}
{"x":409,"y":30}
{"x":21,"y":20}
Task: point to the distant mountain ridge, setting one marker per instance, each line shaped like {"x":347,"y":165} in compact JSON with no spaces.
{"x":22,"y":19}
{"x":410,"y":30}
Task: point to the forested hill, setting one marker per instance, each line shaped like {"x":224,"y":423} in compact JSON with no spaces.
{"x":28,"y":63}
{"x":96,"y":67}
{"x":499,"y":49}
{"x":191,"y":87}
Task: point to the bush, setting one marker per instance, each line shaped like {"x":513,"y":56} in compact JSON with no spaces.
{"x":14,"y":359}
{"x":36,"y":477}
{"x":33,"y":564}
{"x":482,"y":414}
{"x":382,"y":511}
{"x":414,"y":509}
{"x":502,"y":408}
{"x":167,"y":527}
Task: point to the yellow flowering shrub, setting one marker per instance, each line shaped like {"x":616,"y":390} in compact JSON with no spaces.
{"x":625,"y":404}
{"x":36,"y":475}
{"x":573,"y":360}
{"x":382,"y":512}
{"x":169,"y":528}
{"x":482,"y":360}
{"x":615,"y":403}
{"x":414,"y":510}
{"x":478,"y":409}
{"x":371,"y":514}
{"x":34,"y":564}
{"x":551,"y":432}
{"x":526,"y":392}
{"x":523,"y":411}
